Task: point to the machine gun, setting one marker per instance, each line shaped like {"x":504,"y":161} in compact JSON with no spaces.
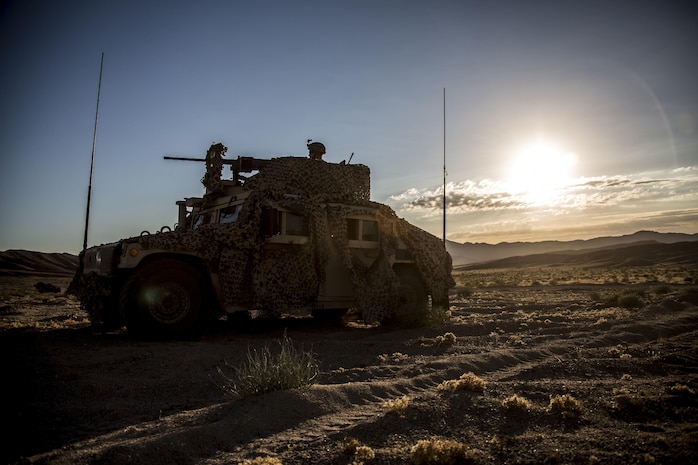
{"x":237,"y":166}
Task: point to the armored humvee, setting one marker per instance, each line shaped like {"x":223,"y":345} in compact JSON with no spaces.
{"x":280,"y":235}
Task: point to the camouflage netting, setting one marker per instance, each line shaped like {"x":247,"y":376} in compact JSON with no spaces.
{"x":276,"y":278}
{"x":310,"y":178}
{"x":97,"y":297}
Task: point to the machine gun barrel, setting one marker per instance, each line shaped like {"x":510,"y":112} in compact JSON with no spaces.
{"x":184,"y":158}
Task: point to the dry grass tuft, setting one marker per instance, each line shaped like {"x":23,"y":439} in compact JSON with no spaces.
{"x":262,"y":461}
{"x":349,"y":446}
{"x":467,"y":382}
{"x":267,"y":372}
{"x":565,"y":404}
{"x":516,"y":403}
{"x":448,"y":339}
{"x":681,"y":389}
{"x":395,"y":357}
{"x":362,"y":455}
{"x":438,"y":316}
{"x":360,"y":452}
{"x":397,"y":406}
{"x":442,"y":452}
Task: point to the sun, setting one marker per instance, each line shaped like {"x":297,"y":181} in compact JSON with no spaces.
{"x":539,"y":169}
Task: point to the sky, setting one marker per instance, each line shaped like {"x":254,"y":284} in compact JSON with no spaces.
{"x":557,"y":120}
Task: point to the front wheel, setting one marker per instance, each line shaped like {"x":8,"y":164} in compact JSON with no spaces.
{"x":163,"y":298}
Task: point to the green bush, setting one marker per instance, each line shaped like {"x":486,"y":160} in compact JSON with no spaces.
{"x":267,"y":372}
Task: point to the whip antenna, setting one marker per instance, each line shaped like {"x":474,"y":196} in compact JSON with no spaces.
{"x":92,"y":162}
{"x":445,"y":172}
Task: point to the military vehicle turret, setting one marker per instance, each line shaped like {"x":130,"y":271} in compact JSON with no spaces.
{"x":280,"y":235}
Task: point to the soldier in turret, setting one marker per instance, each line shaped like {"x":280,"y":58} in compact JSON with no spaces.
{"x":214,"y":166}
{"x":316,"y":150}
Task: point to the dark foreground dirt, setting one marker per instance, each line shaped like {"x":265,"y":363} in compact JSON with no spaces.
{"x":76,"y":397}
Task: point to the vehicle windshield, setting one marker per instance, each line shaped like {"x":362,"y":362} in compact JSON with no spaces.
{"x":203,"y":218}
{"x":230,"y":214}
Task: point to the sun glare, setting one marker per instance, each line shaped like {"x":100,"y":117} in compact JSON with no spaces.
{"x":539,"y":169}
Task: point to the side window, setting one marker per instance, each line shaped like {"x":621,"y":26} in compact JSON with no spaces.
{"x":353,"y":229}
{"x":271,"y":222}
{"x":362,"y":230}
{"x":369,"y":230}
{"x":295,"y":225}
{"x":204,"y":218}
{"x":230,"y":214}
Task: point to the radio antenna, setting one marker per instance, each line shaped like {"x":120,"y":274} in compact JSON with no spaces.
{"x":445,"y":172}
{"x":92,"y":162}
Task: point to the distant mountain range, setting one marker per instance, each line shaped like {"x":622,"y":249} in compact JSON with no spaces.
{"x":635,"y":254}
{"x":28,"y":263}
{"x":470,"y":253}
{"x":641,"y":248}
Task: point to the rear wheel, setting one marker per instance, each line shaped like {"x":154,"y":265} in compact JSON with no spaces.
{"x":163,"y":298}
{"x":330,"y":315}
{"x":413,"y":301}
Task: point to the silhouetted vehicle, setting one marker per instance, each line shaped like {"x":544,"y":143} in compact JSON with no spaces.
{"x":300,"y":234}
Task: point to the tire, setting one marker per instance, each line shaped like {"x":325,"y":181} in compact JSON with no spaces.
{"x":333,"y":316}
{"x":413,"y":306}
{"x":164,"y":298}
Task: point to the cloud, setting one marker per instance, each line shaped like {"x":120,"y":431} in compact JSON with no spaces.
{"x":487,"y":211}
{"x":489,"y":195}
{"x":460,"y":197}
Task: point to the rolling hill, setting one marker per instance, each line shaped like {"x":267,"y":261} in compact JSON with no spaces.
{"x":28,"y":263}
{"x":471,"y":253}
{"x":636,"y":254}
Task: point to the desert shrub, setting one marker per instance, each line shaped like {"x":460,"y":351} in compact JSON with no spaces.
{"x":663,"y":289}
{"x":395,"y":357}
{"x":266,"y":372}
{"x":627,"y":300}
{"x":442,"y":452}
{"x":467,"y":382}
{"x":349,"y":445}
{"x":397,"y":406}
{"x":608,"y":299}
{"x":448,"y":339}
{"x":681,"y":389}
{"x":262,"y":461}
{"x":516,"y":403}
{"x":630,"y":301}
{"x":362,"y":455}
{"x":360,"y":452}
{"x":438,"y":315}
{"x":564,"y":404}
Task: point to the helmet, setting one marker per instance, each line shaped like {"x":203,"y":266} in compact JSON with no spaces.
{"x":316,"y":149}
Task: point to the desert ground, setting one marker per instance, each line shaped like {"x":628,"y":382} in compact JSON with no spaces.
{"x":579,"y":366}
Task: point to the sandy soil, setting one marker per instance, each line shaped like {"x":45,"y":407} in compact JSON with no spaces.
{"x":76,"y":397}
